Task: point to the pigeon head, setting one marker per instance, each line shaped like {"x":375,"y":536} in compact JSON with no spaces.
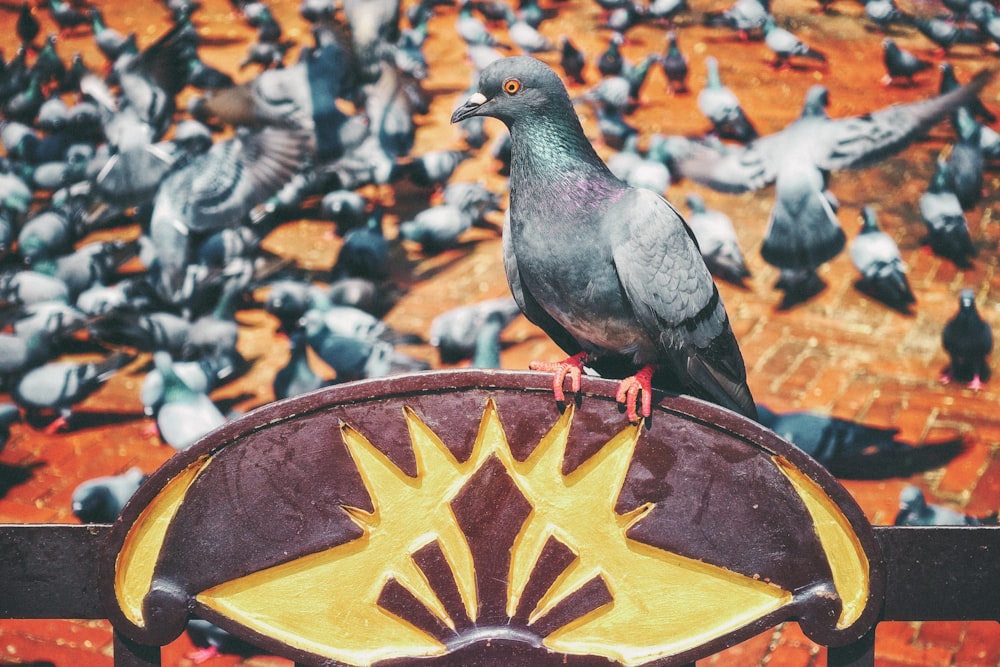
{"x":869,"y":222}
{"x":514,"y":88}
{"x":967,"y":299}
{"x":817,"y":100}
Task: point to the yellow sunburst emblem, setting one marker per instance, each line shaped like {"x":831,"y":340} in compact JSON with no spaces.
{"x":660,"y":603}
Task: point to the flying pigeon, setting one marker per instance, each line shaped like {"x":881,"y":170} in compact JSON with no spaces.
{"x":605,"y":301}
{"x":876,"y":256}
{"x":968,"y":340}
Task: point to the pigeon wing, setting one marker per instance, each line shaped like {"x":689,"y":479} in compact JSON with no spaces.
{"x":861,"y":141}
{"x":675,"y":300}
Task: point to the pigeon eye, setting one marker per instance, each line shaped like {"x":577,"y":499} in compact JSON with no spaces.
{"x":511,"y":86}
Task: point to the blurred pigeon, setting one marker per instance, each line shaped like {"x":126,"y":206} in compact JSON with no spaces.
{"x":101,"y":499}
{"x":914,"y":510}
{"x":487,"y":351}
{"x":900,"y":63}
{"x":31,"y":287}
{"x":717,"y":241}
{"x":572,"y":60}
{"x":588,"y":306}
{"x":876,"y":256}
{"x":743,"y":16}
{"x":472,"y":30}
{"x":185,"y":414}
{"x":675,"y":66}
{"x":722,"y":108}
{"x":454,"y":332}
{"x":968,"y":340}
{"x":947,"y":228}
{"x":610,"y":61}
{"x":59,"y":385}
{"x":111,"y":43}
{"x":365,"y":252}
{"x":784,"y":44}
{"x":525,"y":36}
{"x":965,"y":160}
{"x":213,"y":641}
{"x":436,"y":228}
{"x":346,"y":208}
{"x":66,"y":16}
{"x":297,"y":376}
{"x":946,"y":33}
{"x":200,"y":375}
{"x":885,"y":14}
{"x":27,"y":26}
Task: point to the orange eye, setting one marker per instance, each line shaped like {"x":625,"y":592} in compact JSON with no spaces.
{"x":511,"y":86}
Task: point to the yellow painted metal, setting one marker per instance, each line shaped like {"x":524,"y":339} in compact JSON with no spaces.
{"x":136,"y":562}
{"x":848,"y":562}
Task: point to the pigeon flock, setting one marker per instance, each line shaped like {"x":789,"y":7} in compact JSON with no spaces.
{"x":186,"y":206}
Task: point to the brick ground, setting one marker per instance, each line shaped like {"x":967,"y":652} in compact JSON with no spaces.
{"x":840,"y":353}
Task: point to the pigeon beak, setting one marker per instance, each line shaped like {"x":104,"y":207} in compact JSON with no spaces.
{"x":470,"y":108}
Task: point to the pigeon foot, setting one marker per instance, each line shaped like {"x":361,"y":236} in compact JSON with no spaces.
{"x":571,"y":366}
{"x":634,"y":388}
{"x":976,"y":383}
{"x":202,"y":655}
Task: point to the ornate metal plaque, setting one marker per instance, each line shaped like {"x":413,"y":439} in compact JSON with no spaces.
{"x":462,"y":518}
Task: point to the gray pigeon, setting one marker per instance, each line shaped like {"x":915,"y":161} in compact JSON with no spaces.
{"x":785,"y":44}
{"x":635,"y":300}
{"x":101,"y":499}
{"x":722,"y":108}
{"x":717,"y":241}
{"x":186,"y":413}
{"x":914,"y":510}
{"x":968,"y":340}
{"x":947,"y":228}
{"x":883,"y":273}
{"x":743,"y":16}
{"x":59,"y":385}
{"x":454,"y":332}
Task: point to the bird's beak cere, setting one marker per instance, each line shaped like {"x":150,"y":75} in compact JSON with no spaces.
{"x":470,"y":108}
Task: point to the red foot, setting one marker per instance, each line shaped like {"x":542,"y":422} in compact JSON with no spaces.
{"x":57,"y":425}
{"x":202,"y":655}
{"x":976,"y":384}
{"x":571,"y":366}
{"x":638,"y":386}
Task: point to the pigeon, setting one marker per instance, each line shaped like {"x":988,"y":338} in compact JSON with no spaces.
{"x":744,"y":16}
{"x":675,"y":66}
{"x":213,"y":641}
{"x":200,"y":375}
{"x":186,"y":414}
{"x":111,"y":43}
{"x":946,"y":33}
{"x":901,"y":64}
{"x":717,"y":241}
{"x":784,"y":44}
{"x":885,"y":14}
{"x":472,"y":30}
{"x":968,"y":340}
{"x":572,"y":61}
{"x":722,"y":108}
{"x":525,"y":36}
{"x":101,"y":499}
{"x":947,"y":228}
{"x":297,"y":376}
{"x":365,"y":252}
{"x":596,"y":299}
{"x":59,"y":385}
{"x":27,"y":26}
{"x":610,"y":61}
{"x":436,"y":228}
{"x":876,"y":257}
{"x":802,"y":155}
{"x":965,"y":160}
{"x":454,"y":332}
{"x":66,"y":16}
{"x":914,"y":510}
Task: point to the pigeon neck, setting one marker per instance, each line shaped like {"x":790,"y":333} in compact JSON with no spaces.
{"x":551,"y":150}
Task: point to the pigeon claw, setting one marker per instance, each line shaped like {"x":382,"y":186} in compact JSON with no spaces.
{"x":976,"y":384}
{"x":571,"y":366}
{"x":635,"y":388}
